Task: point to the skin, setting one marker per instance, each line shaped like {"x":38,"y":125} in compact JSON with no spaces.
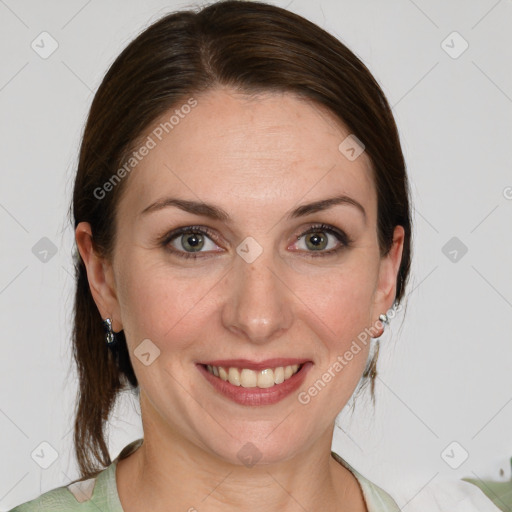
{"x":257,"y":157}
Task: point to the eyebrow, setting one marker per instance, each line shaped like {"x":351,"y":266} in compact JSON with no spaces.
{"x":217,"y":213}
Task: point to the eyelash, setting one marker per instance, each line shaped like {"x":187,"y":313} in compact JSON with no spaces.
{"x":342,"y":237}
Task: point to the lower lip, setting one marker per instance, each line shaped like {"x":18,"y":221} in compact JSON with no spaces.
{"x":257,"y":396}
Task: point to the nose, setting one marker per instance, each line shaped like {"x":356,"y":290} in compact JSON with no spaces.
{"x":259,"y":302}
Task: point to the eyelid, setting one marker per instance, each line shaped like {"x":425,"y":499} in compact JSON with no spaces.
{"x":344,"y":240}
{"x":174,"y":233}
{"x":169,"y":236}
{"x":165,"y":240}
{"x":340,"y":234}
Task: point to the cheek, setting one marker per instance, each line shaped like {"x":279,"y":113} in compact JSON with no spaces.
{"x":339,"y":311}
{"x":341,"y":298}
{"x":339,"y":316}
{"x":158,"y":304}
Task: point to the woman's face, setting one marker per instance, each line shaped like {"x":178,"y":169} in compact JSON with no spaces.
{"x":252,"y":290}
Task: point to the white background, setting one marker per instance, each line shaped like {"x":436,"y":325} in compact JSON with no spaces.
{"x":444,"y":367}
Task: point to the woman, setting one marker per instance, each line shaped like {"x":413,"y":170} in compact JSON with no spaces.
{"x":242,"y":217}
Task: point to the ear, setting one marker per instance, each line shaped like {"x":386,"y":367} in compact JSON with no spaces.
{"x":100,"y":276}
{"x":388,"y":272}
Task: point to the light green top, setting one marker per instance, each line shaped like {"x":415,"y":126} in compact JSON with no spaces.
{"x":100,"y":493}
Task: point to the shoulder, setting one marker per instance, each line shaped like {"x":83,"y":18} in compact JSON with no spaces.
{"x":442,"y":496}
{"x":500,"y":493}
{"x":65,"y":498}
{"x":377,"y":499}
{"x":97,"y":494}
{"x":447,"y":495}
{"x":84,"y":496}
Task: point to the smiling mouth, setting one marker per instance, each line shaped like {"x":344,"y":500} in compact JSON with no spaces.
{"x":247,"y":378}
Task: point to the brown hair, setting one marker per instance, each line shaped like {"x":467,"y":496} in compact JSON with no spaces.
{"x":249,"y":46}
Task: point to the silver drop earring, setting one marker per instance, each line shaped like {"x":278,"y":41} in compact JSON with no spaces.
{"x":110,"y":336}
{"x":384,"y":318}
{"x":385,"y":321}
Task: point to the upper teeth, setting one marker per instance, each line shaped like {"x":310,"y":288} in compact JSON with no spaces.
{"x":250,"y":378}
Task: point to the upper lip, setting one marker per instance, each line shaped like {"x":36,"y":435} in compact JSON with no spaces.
{"x":256,"y":365}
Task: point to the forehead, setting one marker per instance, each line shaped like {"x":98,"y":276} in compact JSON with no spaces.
{"x":265,"y":149}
